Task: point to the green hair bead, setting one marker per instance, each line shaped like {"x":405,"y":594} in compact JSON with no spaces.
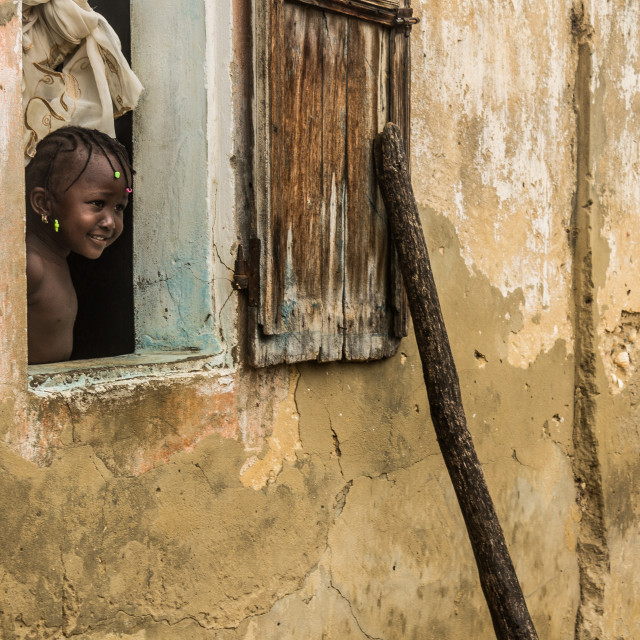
{"x":56,"y":225}
{"x":117,"y":174}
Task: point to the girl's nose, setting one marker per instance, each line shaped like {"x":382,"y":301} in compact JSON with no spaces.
{"x":108,"y":220}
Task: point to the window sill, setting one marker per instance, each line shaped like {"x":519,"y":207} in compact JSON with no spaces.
{"x":80,"y":374}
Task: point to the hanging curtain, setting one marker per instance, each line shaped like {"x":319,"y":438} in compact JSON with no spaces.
{"x":74,"y":72}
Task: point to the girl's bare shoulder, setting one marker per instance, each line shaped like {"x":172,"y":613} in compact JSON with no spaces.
{"x":35,"y":269}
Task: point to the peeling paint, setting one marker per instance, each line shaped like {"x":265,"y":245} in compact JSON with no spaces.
{"x":617,"y":176}
{"x":13,"y":370}
{"x":155,"y":420}
{"x":281,"y":446}
{"x":492,"y":136}
{"x":620,"y":351}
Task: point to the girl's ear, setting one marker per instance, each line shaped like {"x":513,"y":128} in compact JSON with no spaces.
{"x":39,"y":201}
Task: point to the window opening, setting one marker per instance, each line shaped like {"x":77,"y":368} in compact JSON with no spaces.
{"x":104,"y":325}
{"x":65,"y":83}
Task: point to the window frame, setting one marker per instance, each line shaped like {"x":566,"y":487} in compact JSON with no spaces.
{"x":183,"y":303}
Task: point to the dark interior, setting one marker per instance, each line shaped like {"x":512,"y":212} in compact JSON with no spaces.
{"x":104,"y":326}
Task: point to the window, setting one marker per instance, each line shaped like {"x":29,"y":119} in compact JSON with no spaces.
{"x":104,"y":325}
{"x":177,"y":281}
{"x":329,"y":75}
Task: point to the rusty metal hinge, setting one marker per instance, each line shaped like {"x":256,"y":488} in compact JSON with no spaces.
{"x":405,"y":20}
{"x":246,"y":272}
{"x":240,"y":271}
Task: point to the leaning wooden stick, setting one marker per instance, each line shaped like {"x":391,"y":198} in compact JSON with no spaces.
{"x":511,"y":619}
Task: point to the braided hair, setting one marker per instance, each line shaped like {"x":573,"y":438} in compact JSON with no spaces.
{"x":62,"y":148}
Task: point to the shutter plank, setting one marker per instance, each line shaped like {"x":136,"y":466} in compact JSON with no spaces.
{"x":368,"y":315}
{"x":379,"y":11}
{"x":269,"y":122}
{"x":302,"y":263}
{"x":334,"y":181}
{"x":295,"y":250}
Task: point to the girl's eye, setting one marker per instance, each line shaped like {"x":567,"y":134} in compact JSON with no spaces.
{"x":119,"y":208}
{"x":98,"y":203}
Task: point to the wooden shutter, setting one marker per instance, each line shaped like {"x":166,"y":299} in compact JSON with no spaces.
{"x":329,"y":75}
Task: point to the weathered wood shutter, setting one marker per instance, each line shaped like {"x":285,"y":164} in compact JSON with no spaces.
{"x":329,"y":75}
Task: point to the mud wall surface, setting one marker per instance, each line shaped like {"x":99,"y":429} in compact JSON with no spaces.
{"x":194,"y":498}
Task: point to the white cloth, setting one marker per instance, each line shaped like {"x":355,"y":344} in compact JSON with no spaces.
{"x":74,"y":72}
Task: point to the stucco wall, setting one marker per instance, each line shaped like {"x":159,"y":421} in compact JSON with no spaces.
{"x":195,"y":498}
{"x":616,"y":197}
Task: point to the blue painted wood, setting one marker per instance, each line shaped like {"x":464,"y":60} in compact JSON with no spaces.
{"x":174,"y":305}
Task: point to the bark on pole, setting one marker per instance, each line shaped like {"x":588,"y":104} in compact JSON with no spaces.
{"x":511,"y":619}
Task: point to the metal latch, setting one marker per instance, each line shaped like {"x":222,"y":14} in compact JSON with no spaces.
{"x":245,"y":272}
{"x":405,"y":20}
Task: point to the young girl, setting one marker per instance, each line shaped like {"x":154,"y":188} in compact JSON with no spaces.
{"x":77,"y":187}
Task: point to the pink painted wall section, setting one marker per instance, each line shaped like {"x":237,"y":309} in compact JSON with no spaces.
{"x":133,"y":427}
{"x":13,"y":339}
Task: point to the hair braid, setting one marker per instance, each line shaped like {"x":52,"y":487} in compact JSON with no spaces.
{"x":46,"y":167}
{"x":52,"y":160}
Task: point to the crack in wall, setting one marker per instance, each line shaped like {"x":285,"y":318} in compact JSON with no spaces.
{"x":222,"y":262}
{"x":206,"y":478}
{"x":142,"y":619}
{"x":68,"y":602}
{"x":72,"y":420}
{"x":336,"y":443}
{"x":592,"y":550}
{"x":353,"y":614}
{"x":341,"y":499}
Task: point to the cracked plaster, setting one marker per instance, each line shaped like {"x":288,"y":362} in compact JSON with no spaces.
{"x":345,"y":469}
{"x":136,"y":516}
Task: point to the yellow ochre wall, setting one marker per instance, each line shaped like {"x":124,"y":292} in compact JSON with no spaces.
{"x":209,"y":501}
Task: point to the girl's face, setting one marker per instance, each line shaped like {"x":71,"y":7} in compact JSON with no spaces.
{"x":90,"y":212}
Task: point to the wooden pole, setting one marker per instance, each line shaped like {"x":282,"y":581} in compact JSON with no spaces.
{"x":511,"y":619}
